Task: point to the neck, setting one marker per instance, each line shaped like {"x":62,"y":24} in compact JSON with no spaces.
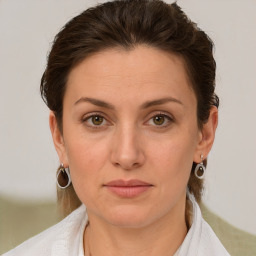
{"x":163,"y":237}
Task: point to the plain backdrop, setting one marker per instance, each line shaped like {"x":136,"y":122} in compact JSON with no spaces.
{"x":27,"y":157}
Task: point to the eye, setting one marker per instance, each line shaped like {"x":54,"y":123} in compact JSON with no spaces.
{"x":94,"y":120}
{"x":97,"y":120}
{"x":161,"y":120}
{"x":158,"y":120}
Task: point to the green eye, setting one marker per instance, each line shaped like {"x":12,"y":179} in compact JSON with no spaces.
{"x":158,"y":120}
{"x":97,"y":120}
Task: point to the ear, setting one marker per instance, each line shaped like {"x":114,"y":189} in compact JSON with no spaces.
{"x":58,"y":139}
{"x":207,"y":135}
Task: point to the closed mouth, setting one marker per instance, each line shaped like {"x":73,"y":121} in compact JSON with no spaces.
{"x":129,"y":188}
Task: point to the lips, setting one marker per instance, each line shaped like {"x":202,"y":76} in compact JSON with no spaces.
{"x":128,"y":183}
{"x":129,"y":188}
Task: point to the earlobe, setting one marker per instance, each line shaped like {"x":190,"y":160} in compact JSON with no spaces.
{"x":57,"y":138}
{"x":207,"y":135}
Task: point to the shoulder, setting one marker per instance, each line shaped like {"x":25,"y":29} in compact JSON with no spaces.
{"x":54,"y":240}
{"x":235,"y":240}
{"x":210,"y":242}
{"x":201,"y":237}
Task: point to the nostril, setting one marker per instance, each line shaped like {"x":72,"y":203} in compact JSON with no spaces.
{"x":127,"y":166}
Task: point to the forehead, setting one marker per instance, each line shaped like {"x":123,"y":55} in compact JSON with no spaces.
{"x":143,"y":70}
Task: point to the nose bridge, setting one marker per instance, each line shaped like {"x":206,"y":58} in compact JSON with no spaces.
{"x":126,"y":149}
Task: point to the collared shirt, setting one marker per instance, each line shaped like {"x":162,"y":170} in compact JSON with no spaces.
{"x":200,"y":239}
{"x":66,"y":238}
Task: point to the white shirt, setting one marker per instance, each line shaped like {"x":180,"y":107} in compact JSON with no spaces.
{"x":66,"y":238}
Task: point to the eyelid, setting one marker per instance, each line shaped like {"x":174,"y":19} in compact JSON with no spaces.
{"x":88,"y":115}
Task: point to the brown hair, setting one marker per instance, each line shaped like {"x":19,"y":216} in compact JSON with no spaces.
{"x":127,"y":24}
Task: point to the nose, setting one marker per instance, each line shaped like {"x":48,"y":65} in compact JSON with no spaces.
{"x":127,"y":151}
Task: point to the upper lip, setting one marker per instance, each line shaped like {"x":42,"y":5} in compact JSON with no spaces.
{"x":127,"y":183}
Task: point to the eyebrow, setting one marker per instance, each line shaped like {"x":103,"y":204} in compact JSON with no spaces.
{"x":148,"y":104}
{"x":95,"y":102}
{"x":145,"y":105}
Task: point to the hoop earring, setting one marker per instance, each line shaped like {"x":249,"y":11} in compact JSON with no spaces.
{"x":63,"y":177}
{"x":200,"y":169}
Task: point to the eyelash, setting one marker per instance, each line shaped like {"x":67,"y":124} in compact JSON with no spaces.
{"x":168,"y":119}
{"x":98,"y":114}
{"x":91,"y":115}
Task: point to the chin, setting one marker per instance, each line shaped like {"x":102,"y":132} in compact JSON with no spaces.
{"x":129,"y":217}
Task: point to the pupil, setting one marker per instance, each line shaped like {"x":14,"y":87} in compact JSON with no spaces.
{"x":97,"y":120}
{"x":159,"y":120}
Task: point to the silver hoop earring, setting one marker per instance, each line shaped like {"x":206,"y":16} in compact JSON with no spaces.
{"x":200,"y":169}
{"x":63,"y":177}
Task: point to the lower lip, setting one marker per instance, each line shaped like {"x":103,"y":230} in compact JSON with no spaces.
{"x":128,"y":192}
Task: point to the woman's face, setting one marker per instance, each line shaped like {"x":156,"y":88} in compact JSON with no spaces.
{"x":130,"y":135}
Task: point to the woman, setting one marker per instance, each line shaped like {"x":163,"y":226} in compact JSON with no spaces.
{"x":130,"y":86}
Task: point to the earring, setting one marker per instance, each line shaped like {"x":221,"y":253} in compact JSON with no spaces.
{"x":63,"y":177}
{"x":200,"y":169}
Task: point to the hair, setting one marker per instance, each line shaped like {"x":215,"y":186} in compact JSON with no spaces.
{"x":126,"y":25}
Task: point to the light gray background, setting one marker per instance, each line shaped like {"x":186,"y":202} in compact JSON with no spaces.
{"x":28,"y":159}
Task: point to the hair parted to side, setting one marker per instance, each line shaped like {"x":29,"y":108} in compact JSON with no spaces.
{"x":126,"y":24}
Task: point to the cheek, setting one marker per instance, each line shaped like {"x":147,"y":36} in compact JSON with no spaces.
{"x":86,"y":160}
{"x":174,"y":157}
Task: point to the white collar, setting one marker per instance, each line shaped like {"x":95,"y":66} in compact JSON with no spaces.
{"x":200,"y":239}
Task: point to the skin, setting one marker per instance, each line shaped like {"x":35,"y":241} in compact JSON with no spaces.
{"x":129,"y":142}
